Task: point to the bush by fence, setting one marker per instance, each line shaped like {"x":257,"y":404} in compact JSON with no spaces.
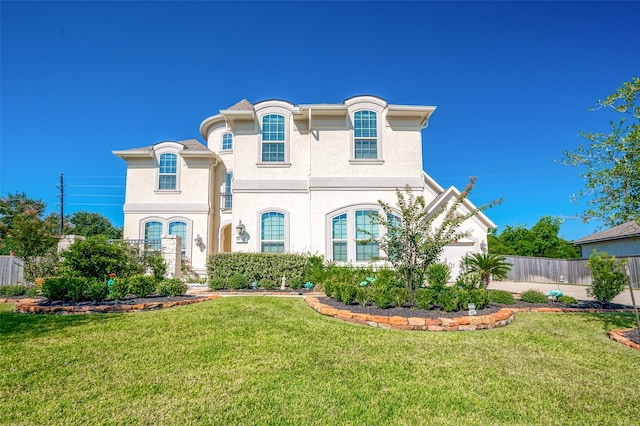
{"x":571,"y":271}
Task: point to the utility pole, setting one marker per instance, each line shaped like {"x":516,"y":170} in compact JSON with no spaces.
{"x":61,"y":203}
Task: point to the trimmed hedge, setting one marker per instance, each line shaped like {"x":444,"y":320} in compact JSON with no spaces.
{"x":534,"y":296}
{"x":501,"y":297}
{"x":258,"y":266}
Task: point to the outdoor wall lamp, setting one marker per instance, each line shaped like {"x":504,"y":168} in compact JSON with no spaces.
{"x":241,"y":231}
{"x":198,"y":241}
{"x":483,"y":246}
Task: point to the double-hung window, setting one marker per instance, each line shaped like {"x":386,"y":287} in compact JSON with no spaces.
{"x":152,"y":235}
{"x":273,"y":138}
{"x":227,"y":198}
{"x":167,"y":171}
{"x":272,"y":232}
{"x":365,"y":135}
{"x":339,"y":237}
{"x":180,"y":229}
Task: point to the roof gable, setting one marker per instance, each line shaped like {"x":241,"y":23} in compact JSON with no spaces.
{"x":626,"y":230}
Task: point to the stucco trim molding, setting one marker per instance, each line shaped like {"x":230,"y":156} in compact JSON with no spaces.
{"x":150,"y":208}
{"x":269,"y":186}
{"x":367,"y":183}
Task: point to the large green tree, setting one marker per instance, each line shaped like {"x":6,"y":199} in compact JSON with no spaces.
{"x":610,"y":163}
{"x":89,"y":224}
{"x":542,"y":240}
{"x":24,"y":229}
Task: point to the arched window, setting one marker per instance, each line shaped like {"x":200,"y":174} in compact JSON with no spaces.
{"x":273,"y":138}
{"x":365,"y":134}
{"x":167,"y":171}
{"x":272,"y":232}
{"x":339,"y":237}
{"x":227,"y":142}
{"x":180,"y":229}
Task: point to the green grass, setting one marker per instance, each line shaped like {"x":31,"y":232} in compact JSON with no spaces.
{"x":275,"y":361}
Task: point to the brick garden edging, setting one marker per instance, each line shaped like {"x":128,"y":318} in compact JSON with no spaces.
{"x":618,"y":336}
{"x":30,"y":306}
{"x":466,"y":323}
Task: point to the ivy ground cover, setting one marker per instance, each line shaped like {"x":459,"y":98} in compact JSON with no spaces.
{"x":258,"y":360}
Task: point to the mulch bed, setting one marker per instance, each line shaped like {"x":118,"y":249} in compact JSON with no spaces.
{"x":126,"y":301}
{"x":633,"y":335}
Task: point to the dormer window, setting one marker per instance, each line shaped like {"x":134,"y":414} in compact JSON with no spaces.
{"x":167,"y":172}
{"x":365,"y":135}
{"x":273,"y":138}
{"x":227,"y":142}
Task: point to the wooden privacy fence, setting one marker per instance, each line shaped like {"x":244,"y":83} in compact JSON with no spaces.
{"x":11,"y":270}
{"x":570,"y":271}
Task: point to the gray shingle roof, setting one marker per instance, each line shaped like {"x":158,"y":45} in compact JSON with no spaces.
{"x":243,"y":105}
{"x":626,"y":230}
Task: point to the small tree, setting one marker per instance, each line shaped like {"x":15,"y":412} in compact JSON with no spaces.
{"x":607,"y":277}
{"x":487,"y":265}
{"x":417,"y":237}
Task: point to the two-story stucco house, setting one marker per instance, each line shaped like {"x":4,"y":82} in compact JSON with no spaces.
{"x":278,"y":177}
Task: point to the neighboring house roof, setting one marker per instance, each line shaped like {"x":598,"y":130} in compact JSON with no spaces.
{"x":626,"y":230}
{"x":243,"y":105}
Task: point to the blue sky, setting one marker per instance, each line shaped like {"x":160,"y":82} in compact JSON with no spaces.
{"x":512,"y":81}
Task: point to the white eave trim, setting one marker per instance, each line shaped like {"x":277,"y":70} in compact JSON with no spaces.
{"x":421,"y":113}
{"x":126,"y":154}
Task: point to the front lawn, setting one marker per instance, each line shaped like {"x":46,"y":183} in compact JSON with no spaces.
{"x":262,"y":360}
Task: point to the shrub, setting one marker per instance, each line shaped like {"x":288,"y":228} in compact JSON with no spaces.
{"x":347,"y":293}
{"x":567,"y":300}
{"x":438,"y":274}
{"x":479,"y":297}
{"x":54,"y":288}
{"x":217,"y":283}
{"x":400,"y":296}
{"x":534,"y":296}
{"x":172,"y":287}
{"x":76,"y":288}
{"x":32,"y":291}
{"x":501,"y":297}
{"x":468,"y":280}
{"x":13,"y":290}
{"x":363,"y":296}
{"x":267,"y":284}
{"x":238,"y":282}
{"x":97,"y":290}
{"x":142,"y":285}
{"x":608,"y":277}
{"x":159,"y":268}
{"x":448,"y":299}
{"x":424,"y":297}
{"x":256,"y":266}
{"x":96,"y":257}
{"x":47,"y":265}
{"x":464,"y":298}
{"x":382,"y":297}
{"x":119,"y":289}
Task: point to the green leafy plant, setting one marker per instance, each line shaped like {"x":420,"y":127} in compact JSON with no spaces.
{"x":448,"y":299}
{"x":97,"y":257}
{"x":501,"y":297}
{"x":347,"y":293}
{"x":217,"y":283}
{"x":468,"y":280}
{"x":142,"y":285}
{"x":13,"y":290}
{"x":400,"y":295}
{"x":487,"y":265}
{"x":238,"y":282}
{"x":438,"y":274}
{"x":534,"y":296}
{"x":479,"y":297}
{"x":119,"y":289}
{"x":425,"y":298}
{"x":172,"y":287}
{"x":567,"y":300}
{"x":607,"y":277}
{"x":363,"y":296}
{"x":54,"y":288}
{"x":97,"y":290}
{"x":267,"y":284}
{"x":158,"y":266}
{"x":382,"y":297}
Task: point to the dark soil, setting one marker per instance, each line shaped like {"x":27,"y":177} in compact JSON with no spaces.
{"x":437,"y":313}
{"x":126,"y":301}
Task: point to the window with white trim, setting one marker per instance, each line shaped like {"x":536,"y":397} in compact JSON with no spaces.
{"x":273,"y":138}
{"x":365,"y":135}
{"x":167,"y":171}
{"x":152,"y":236}
{"x":227,"y":142}
{"x":180,"y":229}
{"x":272,"y":231}
{"x":227,"y":198}
{"x":339,"y":238}
{"x":366,"y":228}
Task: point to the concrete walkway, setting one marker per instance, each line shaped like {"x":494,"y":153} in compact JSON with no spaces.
{"x":573,"y":290}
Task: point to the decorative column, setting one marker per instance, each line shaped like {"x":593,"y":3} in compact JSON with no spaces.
{"x":171,"y":253}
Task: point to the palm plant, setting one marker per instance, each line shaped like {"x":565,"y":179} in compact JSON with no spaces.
{"x":487,"y":265}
